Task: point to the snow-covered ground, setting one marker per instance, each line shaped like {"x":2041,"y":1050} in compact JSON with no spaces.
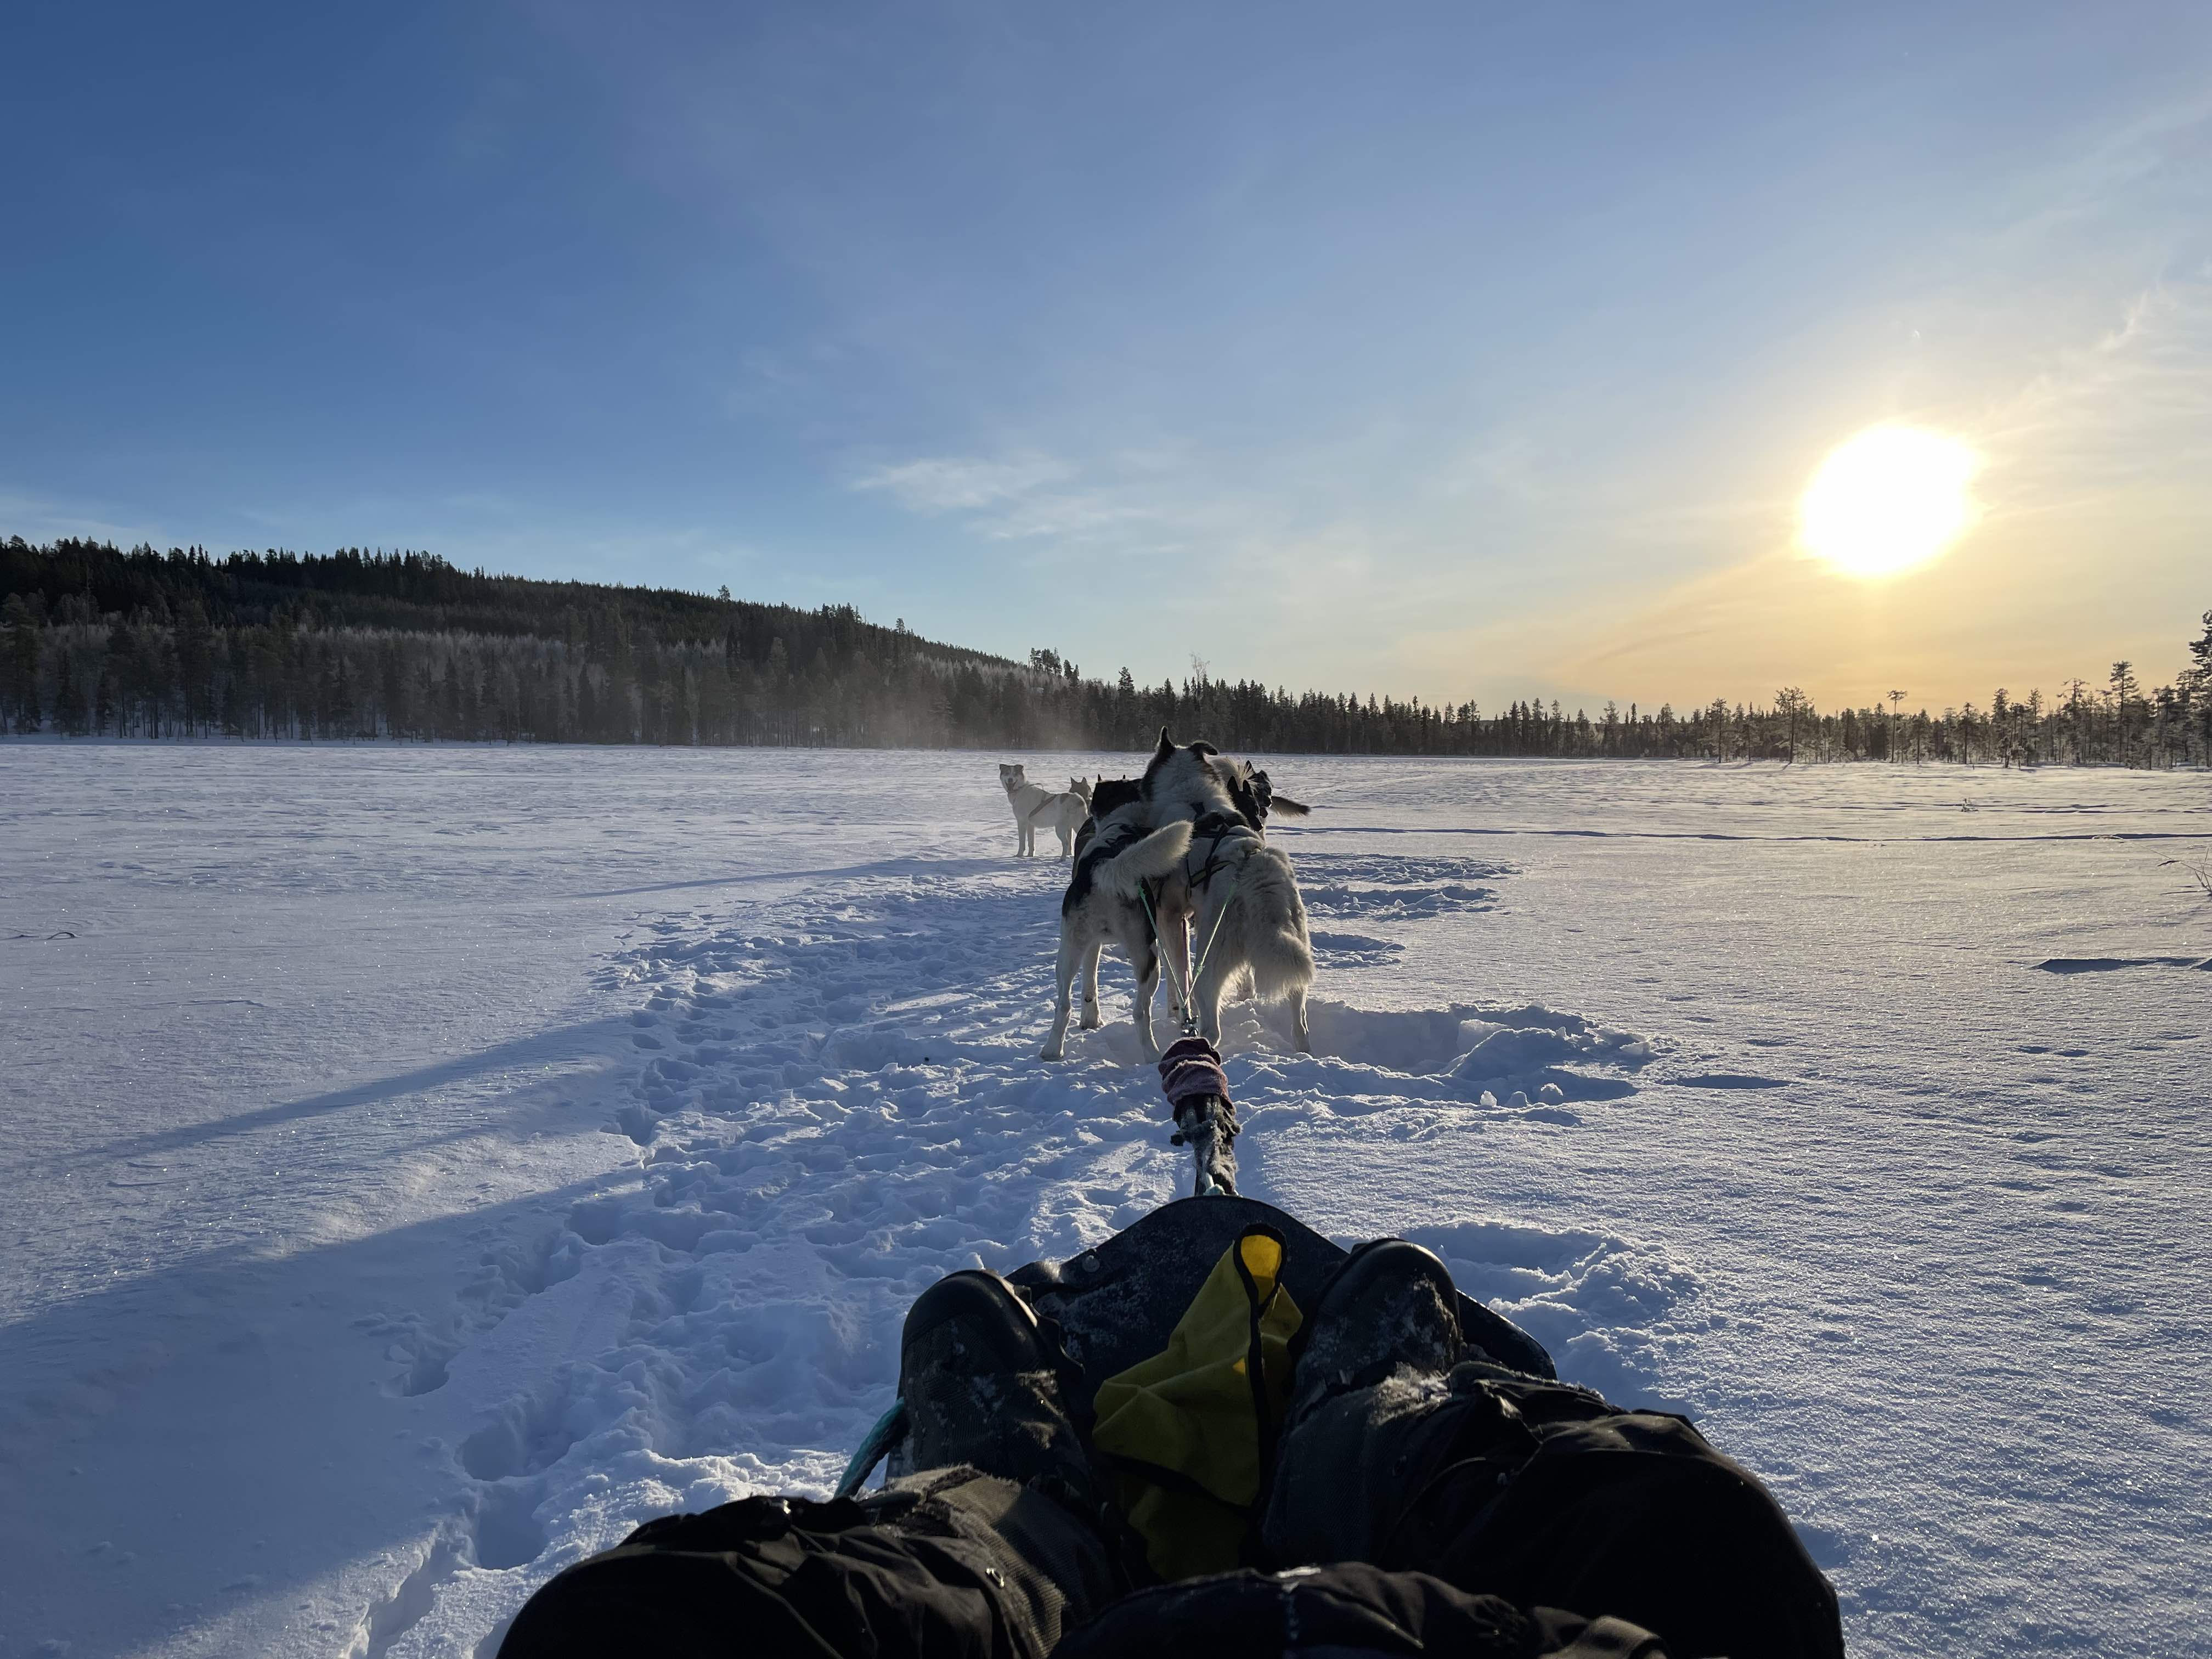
{"x":425,"y":1163}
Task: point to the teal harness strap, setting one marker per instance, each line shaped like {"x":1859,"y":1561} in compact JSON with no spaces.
{"x":889,"y":1429}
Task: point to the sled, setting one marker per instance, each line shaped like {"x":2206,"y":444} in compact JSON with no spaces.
{"x":1117,"y":1303}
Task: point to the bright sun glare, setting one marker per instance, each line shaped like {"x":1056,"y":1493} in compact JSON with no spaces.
{"x":1887,"y":500}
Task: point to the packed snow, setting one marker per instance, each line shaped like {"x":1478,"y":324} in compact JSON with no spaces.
{"x":426,"y":1163}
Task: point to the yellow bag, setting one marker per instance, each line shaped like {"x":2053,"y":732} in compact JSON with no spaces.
{"x":1191,"y":1431}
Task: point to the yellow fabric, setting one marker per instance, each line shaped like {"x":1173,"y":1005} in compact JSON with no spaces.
{"x":1190,"y":1410}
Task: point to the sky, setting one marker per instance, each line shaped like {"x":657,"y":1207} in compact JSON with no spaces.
{"x":1462,"y":351}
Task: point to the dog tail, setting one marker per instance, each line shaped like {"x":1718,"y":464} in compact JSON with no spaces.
{"x":1288,"y":807}
{"x":1279,"y":963}
{"x":1158,"y":855}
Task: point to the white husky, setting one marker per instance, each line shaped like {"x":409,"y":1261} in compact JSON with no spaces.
{"x":1034,"y":804}
{"x":1246,"y":916}
{"x":1104,"y":904}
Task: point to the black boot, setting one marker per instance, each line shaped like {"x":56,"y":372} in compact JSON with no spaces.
{"x":978,"y":1376}
{"x":1391,"y":1309}
{"x":1377,"y":1348}
{"x":992,"y":1466}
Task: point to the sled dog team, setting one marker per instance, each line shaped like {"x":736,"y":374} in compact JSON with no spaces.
{"x":1170,"y":863}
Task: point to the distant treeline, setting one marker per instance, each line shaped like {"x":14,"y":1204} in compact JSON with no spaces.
{"x":96,"y":642}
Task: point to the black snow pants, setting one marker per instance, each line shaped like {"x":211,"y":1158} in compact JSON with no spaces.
{"x":1543,"y":1494}
{"x":939,"y":1567}
{"x":1463,"y":1517}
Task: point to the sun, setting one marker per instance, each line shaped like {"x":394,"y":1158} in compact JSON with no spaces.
{"x":1889,"y":499}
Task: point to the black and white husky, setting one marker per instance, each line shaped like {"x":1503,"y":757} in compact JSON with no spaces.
{"x":1104,"y":904}
{"x":1254,"y":793}
{"x":1034,"y":804}
{"x":1247,"y":918}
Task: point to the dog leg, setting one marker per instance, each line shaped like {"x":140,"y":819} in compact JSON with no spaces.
{"x":1071,"y":956}
{"x":1297,"y":999}
{"x":1206,"y":1000}
{"x":1090,"y":1017}
{"x":1174,"y":940}
{"x":1147,"y":962}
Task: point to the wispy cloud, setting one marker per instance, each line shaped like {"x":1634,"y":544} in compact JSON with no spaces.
{"x":2133,"y":404}
{"x":963,"y":483}
{"x":1138,"y":501}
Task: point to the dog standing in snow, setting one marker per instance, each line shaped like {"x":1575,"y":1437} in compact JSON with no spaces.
{"x":1104,"y":905}
{"x":1238,"y":895}
{"x":1032,"y":802}
{"x":1067,"y":812}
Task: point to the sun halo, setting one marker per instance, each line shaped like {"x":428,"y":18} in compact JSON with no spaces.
{"x":1889,"y":499}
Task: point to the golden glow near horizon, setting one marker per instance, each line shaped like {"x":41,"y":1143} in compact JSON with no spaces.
{"x":1890,"y":499}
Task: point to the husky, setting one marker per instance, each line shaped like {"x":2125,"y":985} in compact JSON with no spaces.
{"x":1254,"y":794}
{"x":1028,"y":801}
{"x":1104,"y":903}
{"x":1034,"y":804}
{"x":1067,"y":812}
{"x":1090,"y":792}
{"x":1240,"y":898}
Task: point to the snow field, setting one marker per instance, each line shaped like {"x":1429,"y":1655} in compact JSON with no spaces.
{"x":1741,"y":1089}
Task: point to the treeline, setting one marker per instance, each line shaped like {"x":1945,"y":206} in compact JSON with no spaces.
{"x":96,"y":642}
{"x":405,"y":646}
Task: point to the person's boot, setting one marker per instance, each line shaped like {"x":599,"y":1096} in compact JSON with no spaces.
{"x":1376,"y":1349}
{"x":990,"y":1466}
{"x":978,"y":1377}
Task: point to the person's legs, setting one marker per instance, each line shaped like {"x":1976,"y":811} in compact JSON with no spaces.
{"x":1405,"y":1447}
{"x":1370,"y":1365}
{"x":954,"y":1562}
{"x":1339,"y":1611}
{"x":992,"y":1543}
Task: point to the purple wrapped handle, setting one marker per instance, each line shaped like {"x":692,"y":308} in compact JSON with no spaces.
{"x":1191,"y":1066}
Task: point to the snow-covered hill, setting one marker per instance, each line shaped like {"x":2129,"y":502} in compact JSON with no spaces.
{"x":426,"y":1163}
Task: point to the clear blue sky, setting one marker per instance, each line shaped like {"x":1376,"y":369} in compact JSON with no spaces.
{"x":1461,"y":350}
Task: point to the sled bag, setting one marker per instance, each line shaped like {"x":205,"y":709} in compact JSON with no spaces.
{"x":1191,"y":1431}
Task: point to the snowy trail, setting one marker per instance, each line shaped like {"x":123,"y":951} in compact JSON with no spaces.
{"x":600,"y":1210}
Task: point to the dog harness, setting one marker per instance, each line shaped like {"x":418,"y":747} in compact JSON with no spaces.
{"x":1214,"y":828}
{"x":1104,"y":845}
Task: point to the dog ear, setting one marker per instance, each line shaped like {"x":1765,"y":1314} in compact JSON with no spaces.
{"x":1202,"y":747}
{"x":1291,"y":808}
{"x":1167,"y":745}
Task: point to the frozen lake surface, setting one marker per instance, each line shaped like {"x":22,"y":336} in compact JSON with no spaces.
{"x":423,"y":1165}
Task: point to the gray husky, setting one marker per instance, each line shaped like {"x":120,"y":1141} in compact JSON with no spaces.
{"x":1105,"y":904}
{"x":1247,"y":918}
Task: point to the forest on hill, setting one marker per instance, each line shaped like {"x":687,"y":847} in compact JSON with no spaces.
{"x":97,"y":641}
